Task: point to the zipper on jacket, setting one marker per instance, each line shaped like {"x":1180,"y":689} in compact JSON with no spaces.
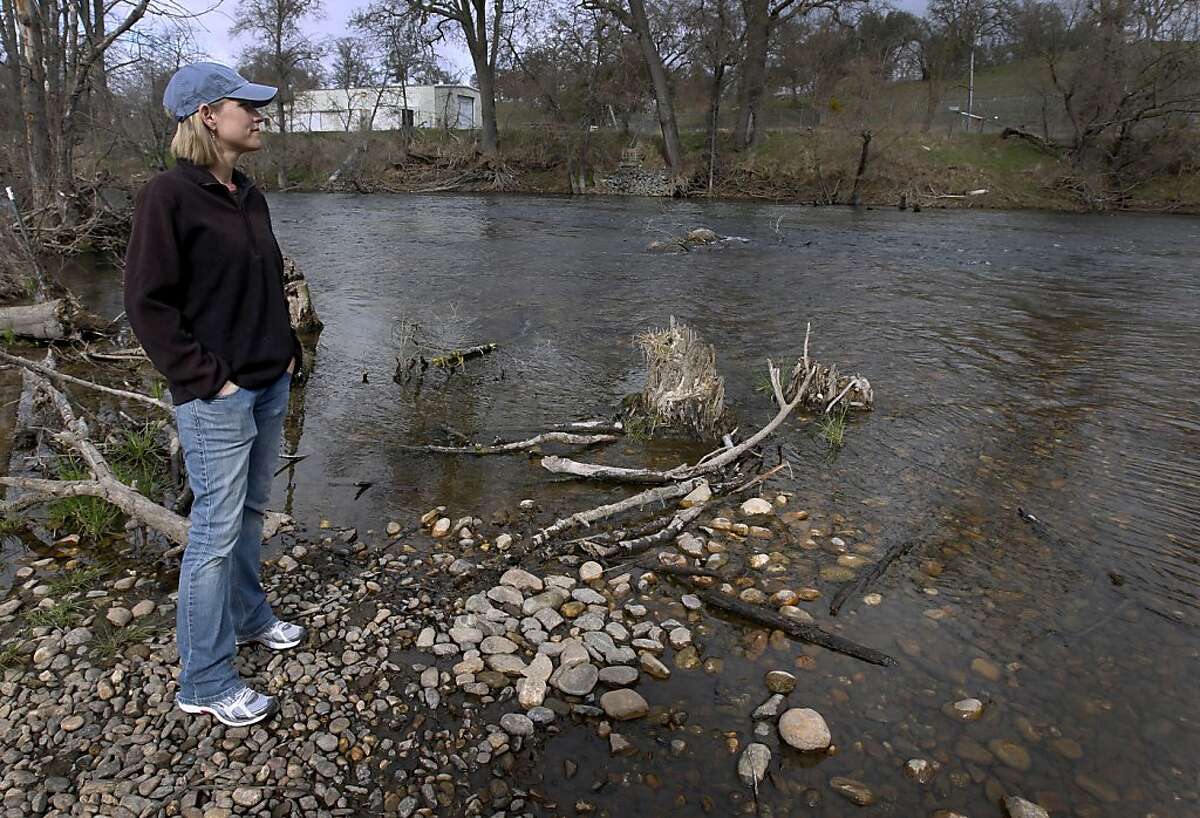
{"x":245,"y":218}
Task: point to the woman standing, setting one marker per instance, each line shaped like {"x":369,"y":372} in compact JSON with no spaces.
{"x":204,"y":294}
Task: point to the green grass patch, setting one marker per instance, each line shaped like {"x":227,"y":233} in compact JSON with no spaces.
{"x":988,"y":152}
{"x":89,"y":517}
{"x":137,"y":459}
{"x":62,"y":615}
{"x":110,"y":644}
{"x":832,"y":429}
{"x":81,"y":579}
{"x":9,"y":654}
{"x":11,"y":525}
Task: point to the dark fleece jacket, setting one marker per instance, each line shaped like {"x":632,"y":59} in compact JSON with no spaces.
{"x":204,"y":284}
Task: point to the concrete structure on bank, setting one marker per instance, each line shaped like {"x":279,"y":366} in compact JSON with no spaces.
{"x":388,"y":108}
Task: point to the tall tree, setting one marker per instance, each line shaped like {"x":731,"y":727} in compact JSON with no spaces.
{"x":351,"y":63}
{"x":56,"y":50}
{"x":483,"y":25}
{"x":717,"y":41}
{"x":402,"y":40}
{"x":284,"y":51}
{"x":633,"y":15}
{"x":146,"y":63}
{"x":761,"y":17}
{"x":952,"y":30}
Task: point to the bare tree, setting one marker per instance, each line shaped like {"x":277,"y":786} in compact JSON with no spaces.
{"x":633,"y":15}
{"x":56,"y":52}
{"x":483,"y":25}
{"x":1126,"y":74}
{"x":761,"y":19}
{"x":402,"y":41}
{"x":283,"y":50}
{"x":148,"y":58}
{"x":718,"y":36}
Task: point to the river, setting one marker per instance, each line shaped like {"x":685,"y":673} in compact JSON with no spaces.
{"x":1027,"y":359}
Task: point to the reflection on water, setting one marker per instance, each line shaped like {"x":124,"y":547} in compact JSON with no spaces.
{"x":1030,"y":360}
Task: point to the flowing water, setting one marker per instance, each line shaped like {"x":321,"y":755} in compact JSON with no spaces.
{"x":1030,"y":360}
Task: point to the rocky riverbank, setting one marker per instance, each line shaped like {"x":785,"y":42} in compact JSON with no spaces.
{"x":433,"y":677}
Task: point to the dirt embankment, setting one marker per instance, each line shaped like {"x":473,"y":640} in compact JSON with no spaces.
{"x":808,"y":166}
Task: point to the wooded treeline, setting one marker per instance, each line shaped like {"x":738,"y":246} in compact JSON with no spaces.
{"x":1118,"y":81}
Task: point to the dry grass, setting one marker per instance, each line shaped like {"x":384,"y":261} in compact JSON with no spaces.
{"x":683,"y":388}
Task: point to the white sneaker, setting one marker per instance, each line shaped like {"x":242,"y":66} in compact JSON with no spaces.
{"x":239,"y":709}
{"x":279,"y":635}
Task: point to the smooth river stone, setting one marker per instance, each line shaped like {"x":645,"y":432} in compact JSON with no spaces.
{"x":1017,"y":807}
{"x":497,"y":644}
{"x":755,"y":506}
{"x":577,"y":680}
{"x":521,"y":580}
{"x":752,"y":766}
{"x":805,"y":729}
{"x":618,"y":675}
{"x":1010,"y":753}
{"x":624,"y":704}
{"x":854,"y":790}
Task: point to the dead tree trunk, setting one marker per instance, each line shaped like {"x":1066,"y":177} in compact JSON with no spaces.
{"x":856,"y":193}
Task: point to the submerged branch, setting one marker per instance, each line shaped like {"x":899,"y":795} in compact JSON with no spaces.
{"x":566,"y":438}
{"x":797,"y":630}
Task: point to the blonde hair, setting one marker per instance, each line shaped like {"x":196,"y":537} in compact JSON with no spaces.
{"x":194,"y":142}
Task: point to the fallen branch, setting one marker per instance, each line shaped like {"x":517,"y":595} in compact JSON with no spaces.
{"x":592,"y":471}
{"x":457,"y":357}
{"x":797,"y":630}
{"x":730,"y":455}
{"x":680,"y":570}
{"x":108,"y":488}
{"x":711,"y":462}
{"x":1038,"y":141}
{"x":586,"y":518}
{"x":565,"y":438}
{"x":104,"y":484}
{"x":448,"y":361}
{"x":669,"y":532}
{"x":50,"y":372}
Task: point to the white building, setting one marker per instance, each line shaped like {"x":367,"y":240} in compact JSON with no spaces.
{"x":384,"y":109}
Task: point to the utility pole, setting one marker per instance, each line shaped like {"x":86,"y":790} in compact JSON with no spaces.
{"x":971,"y":88}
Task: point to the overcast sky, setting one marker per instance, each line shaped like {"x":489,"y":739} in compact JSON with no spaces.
{"x":212,"y":29}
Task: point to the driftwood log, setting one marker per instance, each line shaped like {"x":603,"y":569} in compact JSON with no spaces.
{"x":300,"y":305}
{"x":660,"y":494}
{"x":449,"y":361}
{"x":43,"y":321}
{"x":797,"y":630}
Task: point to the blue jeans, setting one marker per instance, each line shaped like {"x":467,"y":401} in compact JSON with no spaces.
{"x":231,"y":448}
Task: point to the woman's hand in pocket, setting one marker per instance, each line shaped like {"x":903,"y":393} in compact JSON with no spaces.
{"x":228,"y":389}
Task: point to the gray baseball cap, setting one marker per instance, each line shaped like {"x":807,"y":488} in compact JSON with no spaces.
{"x":203,"y":83}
